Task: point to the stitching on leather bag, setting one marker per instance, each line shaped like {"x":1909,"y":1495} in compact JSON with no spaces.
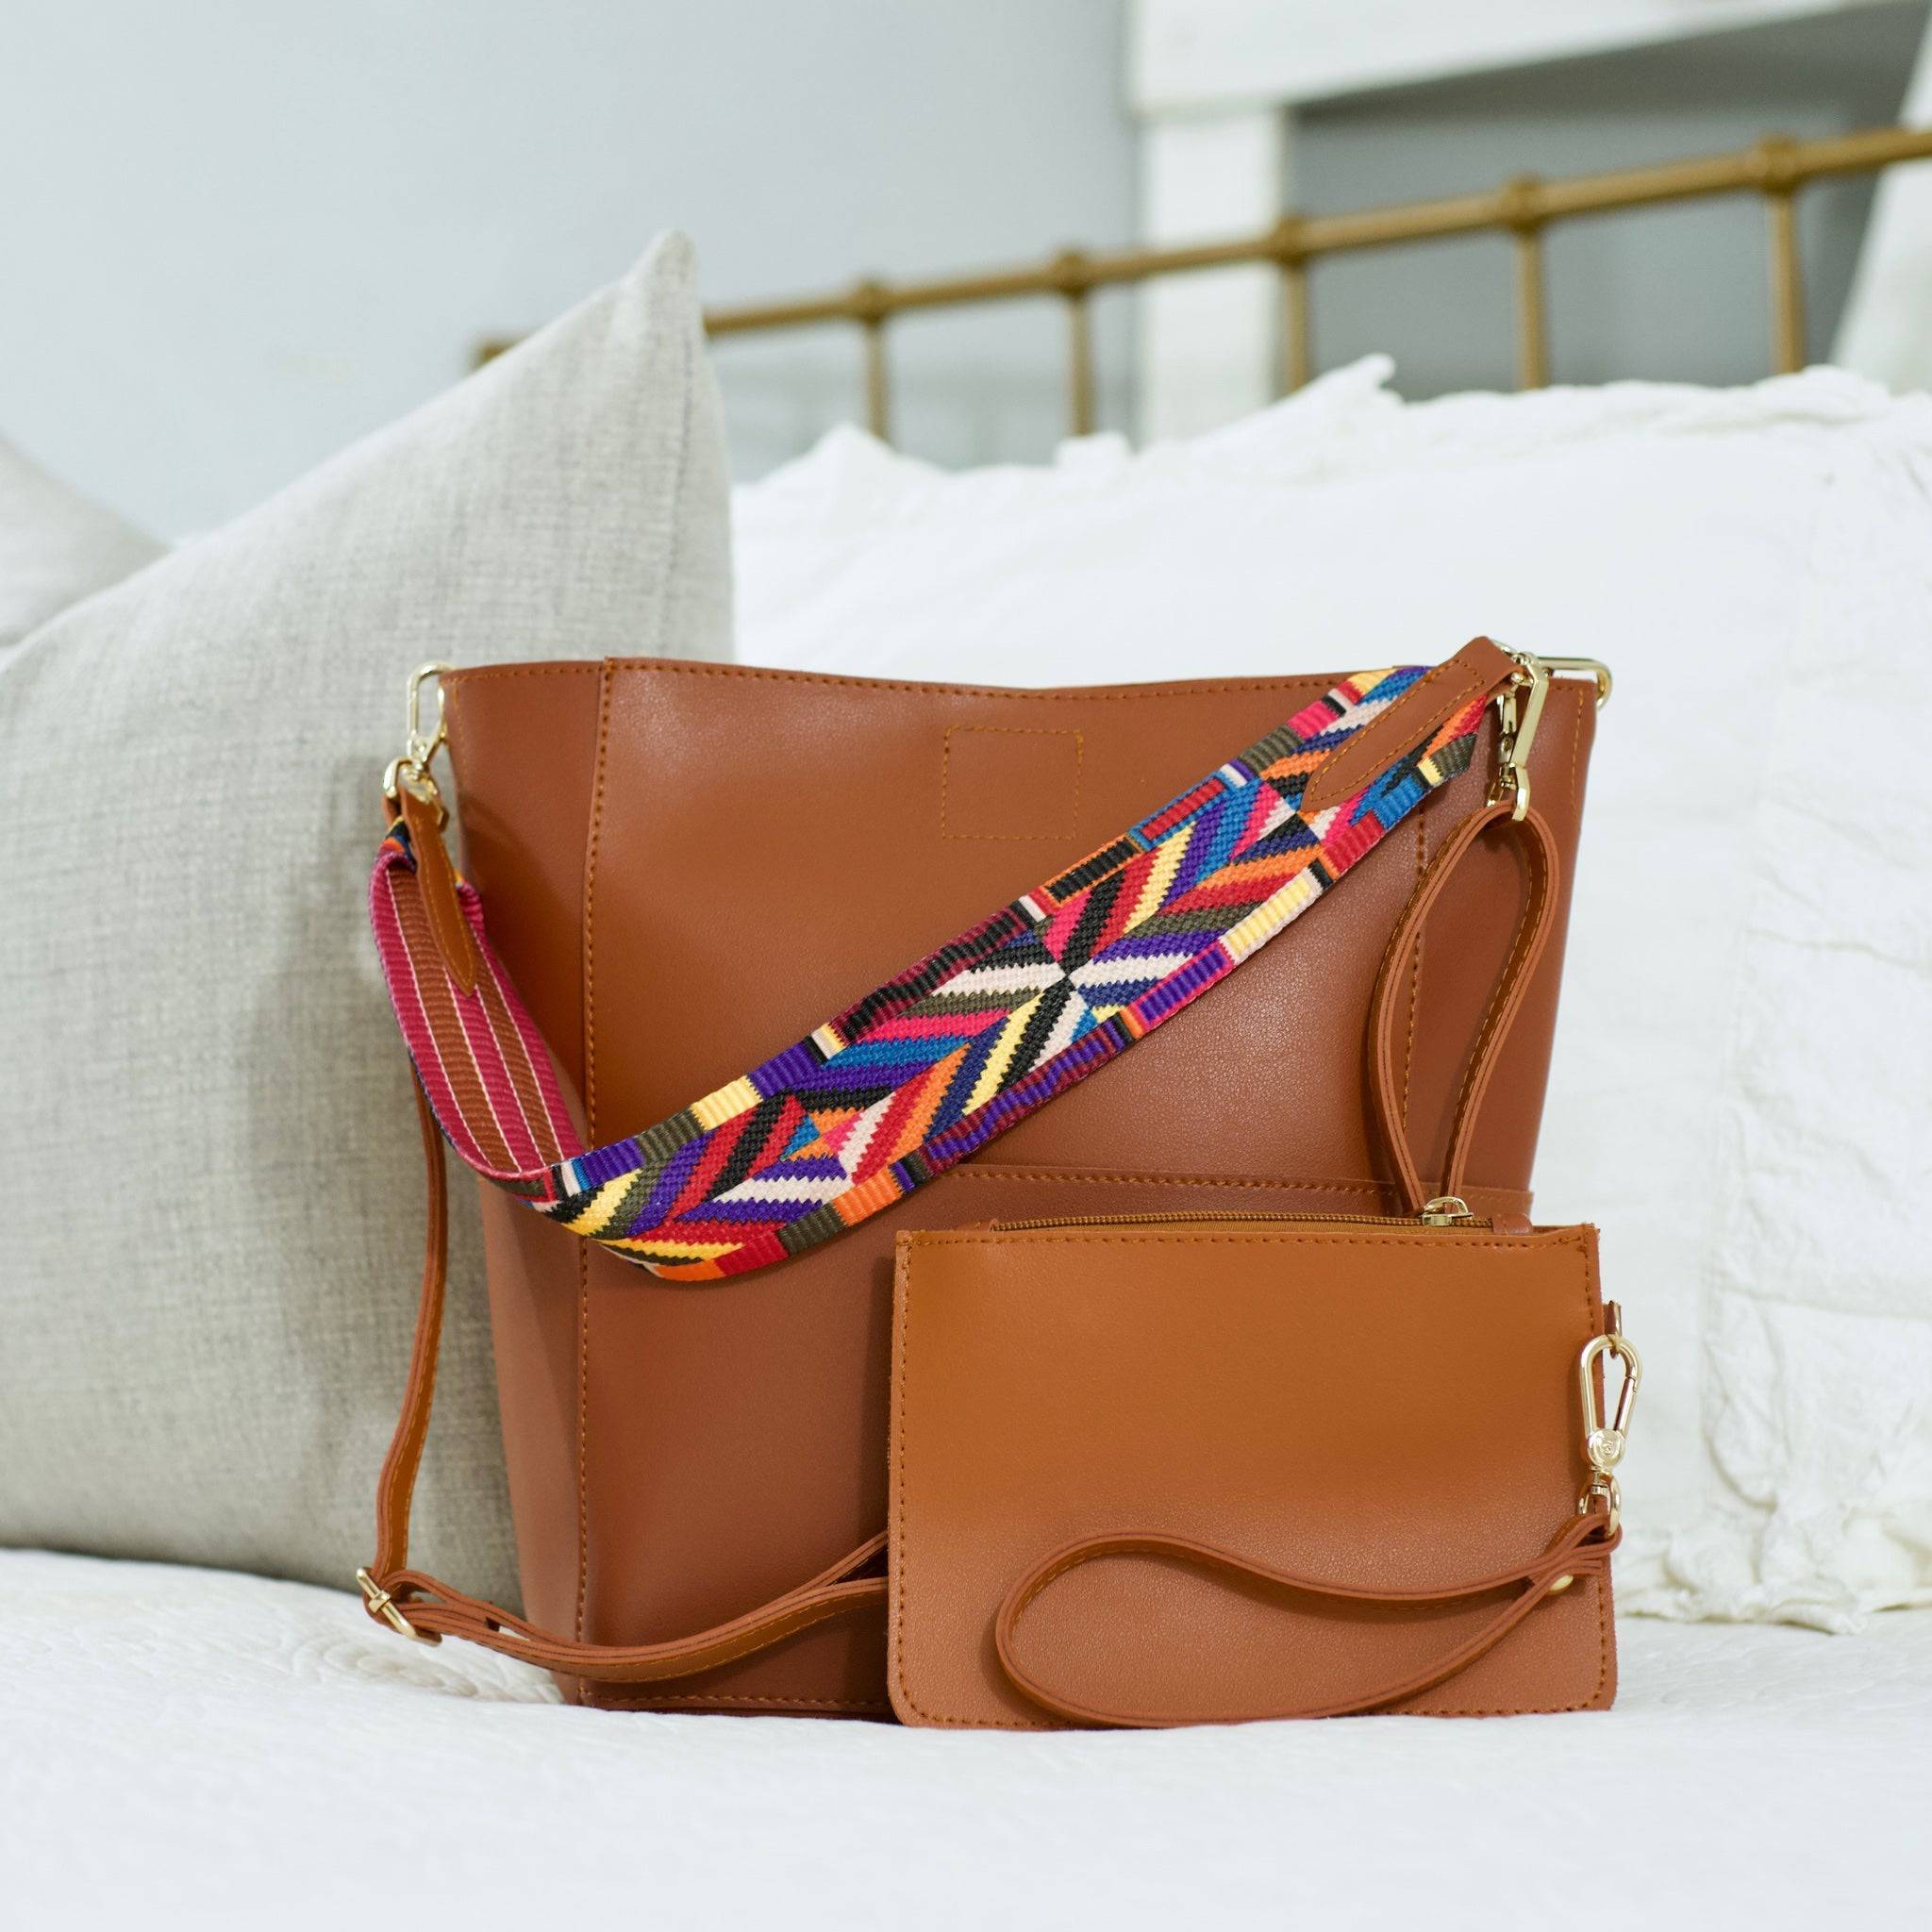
{"x":1574,"y":1238}
{"x":1554,"y":1237}
{"x":1415,"y":977}
{"x":896,"y":1548}
{"x":1382,"y":967}
{"x":1576,"y":746}
{"x":1353,"y":754}
{"x":1592,"y":1301}
{"x":1315,"y":683}
{"x":991,"y":1171}
{"x":590,"y":1055}
{"x":591,"y":855}
{"x":1539,"y":892}
{"x":583,"y":1414}
{"x":581,"y":667}
{"x":1012,"y":731}
{"x":723,"y":1701}
{"x":1376,"y":733}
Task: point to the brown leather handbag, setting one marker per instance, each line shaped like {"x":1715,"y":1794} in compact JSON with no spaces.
{"x":686,"y":865}
{"x":1260,"y":1466}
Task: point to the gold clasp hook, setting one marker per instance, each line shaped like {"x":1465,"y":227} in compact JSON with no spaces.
{"x":423,"y":749}
{"x":1520,"y":711}
{"x":381,"y":1604}
{"x":410,"y":771}
{"x":1603,"y":1443}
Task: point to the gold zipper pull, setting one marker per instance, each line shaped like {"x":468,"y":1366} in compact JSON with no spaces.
{"x":1444,"y":1211}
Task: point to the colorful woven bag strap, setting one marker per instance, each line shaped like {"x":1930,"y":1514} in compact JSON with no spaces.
{"x":929,"y":1067}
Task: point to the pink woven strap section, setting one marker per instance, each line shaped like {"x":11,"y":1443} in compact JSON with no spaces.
{"x":929,"y":1067}
{"x":488,"y":1075}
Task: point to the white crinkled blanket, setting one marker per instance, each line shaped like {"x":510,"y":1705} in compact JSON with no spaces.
{"x":1817,"y":1281}
{"x":188,"y":1748}
{"x":1740,"y":1089}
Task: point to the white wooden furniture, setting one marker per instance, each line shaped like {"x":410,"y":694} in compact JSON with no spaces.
{"x":1217,"y":86}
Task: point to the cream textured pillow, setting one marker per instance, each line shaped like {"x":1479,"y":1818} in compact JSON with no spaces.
{"x":56,"y":547}
{"x":211,"y":1231}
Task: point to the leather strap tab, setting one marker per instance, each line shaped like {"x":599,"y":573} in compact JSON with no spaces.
{"x":1582,"y":1547}
{"x":1479,"y":668}
{"x":455,"y":944}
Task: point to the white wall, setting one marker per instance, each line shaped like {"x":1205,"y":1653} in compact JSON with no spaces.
{"x":1675,"y":294}
{"x":235,"y":234}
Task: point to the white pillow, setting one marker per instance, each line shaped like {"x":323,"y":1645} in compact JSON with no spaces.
{"x":212,"y":1229}
{"x":1739,"y":1089}
{"x":56,"y":547}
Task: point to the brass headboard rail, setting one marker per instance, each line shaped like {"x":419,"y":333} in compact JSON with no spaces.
{"x":1521,"y":207}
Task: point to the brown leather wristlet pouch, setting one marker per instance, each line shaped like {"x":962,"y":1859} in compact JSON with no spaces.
{"x":1182,"y":1469}
{"x":1210,"y":1471}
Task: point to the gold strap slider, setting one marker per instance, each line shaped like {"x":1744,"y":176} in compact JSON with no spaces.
{"x":381,"y":1604}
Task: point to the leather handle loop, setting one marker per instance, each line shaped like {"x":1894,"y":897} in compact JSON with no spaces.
{"x":1539,"y":847}
{"x":424,"y":1606}
{"x":1581,"y":1547}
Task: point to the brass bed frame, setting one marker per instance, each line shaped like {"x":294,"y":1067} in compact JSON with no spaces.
{"x":1523,"y":208}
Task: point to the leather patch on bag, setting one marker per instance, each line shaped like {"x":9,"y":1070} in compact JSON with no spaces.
{"x":1015,"y":782}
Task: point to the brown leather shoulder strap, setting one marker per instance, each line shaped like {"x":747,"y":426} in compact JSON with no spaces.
{"x":422,"y":1606}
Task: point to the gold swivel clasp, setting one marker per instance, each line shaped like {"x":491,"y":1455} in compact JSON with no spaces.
{"x":410,"y":771}
{"x":1603,"y":1443}
{"x":1520,"y":711}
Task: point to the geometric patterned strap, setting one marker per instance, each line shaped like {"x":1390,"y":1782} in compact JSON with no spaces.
{"x":929,"y":1067}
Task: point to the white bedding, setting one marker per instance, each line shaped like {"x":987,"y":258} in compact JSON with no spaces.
{"x":181,"y":1746}
{"x":1742,"y":1109}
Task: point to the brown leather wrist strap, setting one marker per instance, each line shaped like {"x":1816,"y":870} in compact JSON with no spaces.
{"x":1539,"y":847}
{"x":422,"y":1606}
{"x":1581,"y":1548}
